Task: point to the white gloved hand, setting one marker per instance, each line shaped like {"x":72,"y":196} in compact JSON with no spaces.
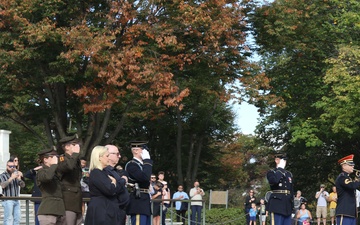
{"x":282,"y":163}
{"x":145,"y":154}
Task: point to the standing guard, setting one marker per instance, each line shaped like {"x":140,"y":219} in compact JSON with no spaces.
{"x":139,"y":169}
{"x":281,"y":201}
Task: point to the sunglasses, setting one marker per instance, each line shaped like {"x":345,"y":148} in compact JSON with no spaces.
{"x":12,"y":166}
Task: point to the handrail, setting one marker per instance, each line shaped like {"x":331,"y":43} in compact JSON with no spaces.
{"x":29,"y":198}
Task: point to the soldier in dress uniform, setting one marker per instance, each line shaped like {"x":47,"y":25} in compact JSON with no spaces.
{"x":280,"y":203}
{"x":346,"y":212}
{"x":139,"y":169}
{"x":52,"y":208}
{"x":70,"y":170}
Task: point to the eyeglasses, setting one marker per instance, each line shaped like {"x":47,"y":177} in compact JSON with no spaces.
{"x":12,"y":166}
{"x":153,"y":177}
{"x":118,"y":154}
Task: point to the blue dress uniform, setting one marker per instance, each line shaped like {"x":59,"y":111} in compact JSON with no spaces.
{"x":281,"y":201}
{"x":346,"y":211}
{"x":139,"y":205}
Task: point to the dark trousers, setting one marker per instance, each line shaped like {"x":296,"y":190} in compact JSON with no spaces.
{"x":277,"y":219}
{"x":140,"y":219}
{"x":247,"y":216}
{"x":180,"y":213}
{"x":36,"y":207}
{"x":345,"y":220}
{"x":196,"y":214}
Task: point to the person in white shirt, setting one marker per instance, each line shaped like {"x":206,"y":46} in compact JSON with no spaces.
{"x":322,"y":197}
{"x":196,"y":193}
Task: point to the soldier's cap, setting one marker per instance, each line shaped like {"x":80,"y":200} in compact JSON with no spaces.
{"x":48,"y":152}
{"x":347,"y":160}
{"x":280,"y":155}
{"x":70,"y":139}
{"x":139,"y":144}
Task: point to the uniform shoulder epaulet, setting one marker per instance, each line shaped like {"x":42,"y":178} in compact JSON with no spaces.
{"x":62,"y":158}
{"x":133,"y":161}
{"x":272,"y":171}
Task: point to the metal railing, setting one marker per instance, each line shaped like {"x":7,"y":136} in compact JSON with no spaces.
{"x":172,"y":209}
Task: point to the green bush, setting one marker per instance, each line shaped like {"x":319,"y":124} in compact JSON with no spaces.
{"x":229,"y":216}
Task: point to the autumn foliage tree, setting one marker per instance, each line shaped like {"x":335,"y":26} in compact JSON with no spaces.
{"x":79,"y":66}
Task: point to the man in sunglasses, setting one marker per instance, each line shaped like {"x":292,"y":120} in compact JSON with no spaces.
{"x":10,"y":181}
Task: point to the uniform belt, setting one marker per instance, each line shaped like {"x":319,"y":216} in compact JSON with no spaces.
{"x":281,"y":192}
{"x":142,"y":190}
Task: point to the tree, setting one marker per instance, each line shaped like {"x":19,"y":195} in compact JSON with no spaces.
{"x":302,"y":45}
{"x":73,"y":66}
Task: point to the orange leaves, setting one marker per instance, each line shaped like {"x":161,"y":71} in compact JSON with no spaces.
{"x":166,"y":41}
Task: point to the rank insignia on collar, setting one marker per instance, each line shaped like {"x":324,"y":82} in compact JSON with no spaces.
{"x":61,"y":158}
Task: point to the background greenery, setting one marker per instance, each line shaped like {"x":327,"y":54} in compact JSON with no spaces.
{"x":165,"y":71}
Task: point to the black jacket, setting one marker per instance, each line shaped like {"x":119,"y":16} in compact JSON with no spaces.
{"x":280,"y":203}
{"x":346,"y":190}
{"x":139,"y":173}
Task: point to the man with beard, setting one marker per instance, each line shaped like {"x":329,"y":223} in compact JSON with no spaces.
{"x":10,"y":181}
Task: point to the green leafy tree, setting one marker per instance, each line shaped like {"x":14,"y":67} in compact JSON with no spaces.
{"x":305,"y":109}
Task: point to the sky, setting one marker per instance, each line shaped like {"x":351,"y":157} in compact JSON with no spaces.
{"x":246,"y":117}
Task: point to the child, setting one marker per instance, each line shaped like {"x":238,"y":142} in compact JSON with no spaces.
{"x":252,"y":213}
{"x":262,"y":212}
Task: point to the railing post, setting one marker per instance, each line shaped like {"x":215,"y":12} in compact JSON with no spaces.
{"x":204,"y":209}
{"x":189,"y":209}
{"x":28,"y":213}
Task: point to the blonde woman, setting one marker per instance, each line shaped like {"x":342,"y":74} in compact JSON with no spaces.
{"x":103,"y":206}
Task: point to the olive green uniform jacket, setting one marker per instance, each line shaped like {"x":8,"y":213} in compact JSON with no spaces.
{"x":49,"y":183}
{"x":70,"y":170}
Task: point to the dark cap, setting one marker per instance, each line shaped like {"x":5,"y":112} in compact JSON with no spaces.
{"x":48,"y":151}
{"x":281,"y":155}
{"x":138,"y":144}
{"x":69,"y":139}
